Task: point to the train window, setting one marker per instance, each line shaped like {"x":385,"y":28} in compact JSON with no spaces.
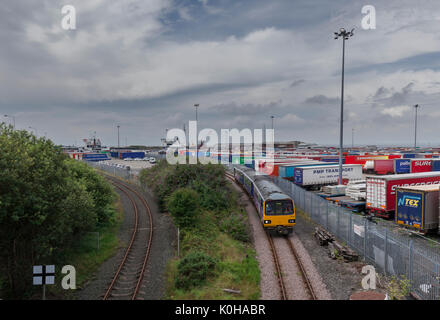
{"x":280,"y":207}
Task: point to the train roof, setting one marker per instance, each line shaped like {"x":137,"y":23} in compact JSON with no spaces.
{"x":268,"y":190}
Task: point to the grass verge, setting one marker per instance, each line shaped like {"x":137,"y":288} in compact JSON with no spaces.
{"x":216,"y":251}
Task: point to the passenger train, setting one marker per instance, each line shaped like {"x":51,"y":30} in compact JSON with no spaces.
{"x":275,"y":208}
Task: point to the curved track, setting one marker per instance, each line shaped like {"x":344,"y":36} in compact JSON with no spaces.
{"x":127,"y":280}
{"x":307,"y":284}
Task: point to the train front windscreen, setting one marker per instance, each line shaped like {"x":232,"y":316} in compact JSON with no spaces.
{"x":279,"y":207}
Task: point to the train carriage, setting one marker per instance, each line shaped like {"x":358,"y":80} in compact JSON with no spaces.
{"x":275,"y":208}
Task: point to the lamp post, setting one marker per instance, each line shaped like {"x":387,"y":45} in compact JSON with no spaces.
{"x":197,"y":134}
{"x":13,"y":118}
{"x":345,"y":36}
{"x":415,"y":129}
{"x":352,"y":138}
{"x":118,"y":135}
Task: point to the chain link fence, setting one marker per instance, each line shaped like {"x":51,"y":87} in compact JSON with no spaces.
{"x":120,"y":172}
{"x":392,"y":253}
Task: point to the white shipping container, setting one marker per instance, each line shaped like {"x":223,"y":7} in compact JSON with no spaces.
{"x":319,"y":175}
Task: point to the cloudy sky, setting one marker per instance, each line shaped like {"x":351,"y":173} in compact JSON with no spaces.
{"x":143,"y":64}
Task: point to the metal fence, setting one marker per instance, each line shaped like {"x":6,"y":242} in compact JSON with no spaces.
{"x":122,"y":173}
{"x":392,"y":253}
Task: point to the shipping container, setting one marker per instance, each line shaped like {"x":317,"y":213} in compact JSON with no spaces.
{"x":131,"y":155}
{"x":402,"y":165}
{"x":418,"y":207}
{"x":381,"y":190}
{"x":420,"y":165}
{"x":435,"y":165}
{"x":320,"y":175}
{"x":409,"y":155}
{"x":288,"y":170}
{"x":384,"y":166}
{"x":95,"y":157}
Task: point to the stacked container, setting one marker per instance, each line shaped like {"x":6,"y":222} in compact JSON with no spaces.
{"x":418,"y":207}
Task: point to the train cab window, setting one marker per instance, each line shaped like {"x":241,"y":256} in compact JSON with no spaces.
{"x":280,"y":207}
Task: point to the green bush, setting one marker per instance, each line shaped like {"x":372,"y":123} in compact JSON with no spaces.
{"x":183,"y":206}
{"x":236,"y":226}
{"x":193,"y":270}
{"x":47,"y":201}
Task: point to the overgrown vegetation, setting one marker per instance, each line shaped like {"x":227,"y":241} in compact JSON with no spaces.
{"x":398,"y":288}
{"x":214,"y":232}
{"x":48,"y":203}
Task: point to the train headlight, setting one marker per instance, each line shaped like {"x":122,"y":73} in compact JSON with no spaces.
{"x":267,"y":222}
{"x":291,"y":220}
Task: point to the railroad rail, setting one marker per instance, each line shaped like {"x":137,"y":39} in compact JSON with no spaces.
{"x":304,"y":275}
{"x":303,"y":272}
{"x":130,"y":273}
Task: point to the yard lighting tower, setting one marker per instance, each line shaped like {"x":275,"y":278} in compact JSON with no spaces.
{"x":13,"y":118}
{"x":415,"y":129}
{"x":118,"y":135}
{"x":197,"y":134}
{"x":345,"y":35}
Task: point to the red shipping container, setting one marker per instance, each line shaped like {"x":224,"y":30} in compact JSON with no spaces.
{"x":420,"y":165}
{"x":381,"y":190}
{"x":384,"y":166}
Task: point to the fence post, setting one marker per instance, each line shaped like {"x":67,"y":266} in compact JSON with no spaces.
{"x":410,"y":271}
{"x":326,"y":218}
{"x":365,"y":239}
{"x":386,"y":252}
{"x":338,"y":219}
{"x":304,"y":198}
{"x":349,"y":229}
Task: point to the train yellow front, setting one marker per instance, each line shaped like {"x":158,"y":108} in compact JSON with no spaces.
{"x":275,"y":208}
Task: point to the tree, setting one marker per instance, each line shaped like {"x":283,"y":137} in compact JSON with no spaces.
{"x":183,"y":205}
{"x":46,"y":200}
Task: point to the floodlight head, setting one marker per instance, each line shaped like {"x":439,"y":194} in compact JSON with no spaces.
{"x":342,"y":30}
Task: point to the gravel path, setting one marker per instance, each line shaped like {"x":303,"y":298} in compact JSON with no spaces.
{"x":341,"y":278}
{"x":162,"y":250}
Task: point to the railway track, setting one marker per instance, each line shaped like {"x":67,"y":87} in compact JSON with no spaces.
{"x":127,"y":280}
{"x":283,"y":292}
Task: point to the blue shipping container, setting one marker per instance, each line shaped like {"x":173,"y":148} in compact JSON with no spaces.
{"x":95,"y":157}
{"x":402,"y":165}
{"x":435,"y":165}
{"x":417,"y":208}
{"x":409,"y":155}
{"x":131,"y":155}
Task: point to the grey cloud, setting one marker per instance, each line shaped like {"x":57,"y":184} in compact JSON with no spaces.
{"x":321,"y":99}
{"x":297,"y":83}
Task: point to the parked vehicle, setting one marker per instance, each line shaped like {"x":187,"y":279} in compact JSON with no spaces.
{"x":152,"y":160}
{"x":420,"y":165}
{"x":402,"y":166}
{"x":384,"y":166}
{"x":324,"y":175}
{"x":381,"y":190}
{"x":418,"y":207}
